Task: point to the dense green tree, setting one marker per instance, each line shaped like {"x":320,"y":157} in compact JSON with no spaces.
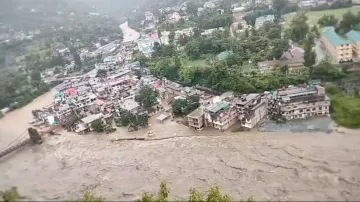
{"x":298,"y":28}
{"x":327,"y":20}
{"x":140,"y":57}
{"x":309,"y":54}
{"x":136,"y":119}
{"x":166,"y":68}
{"x":192,"y":50}
{"x":348,"y":21}
{"x":98,"y":126}
{"x":171,"y":36}
{"x":185,"y":106}
{"x":146,"y":97}
{"x":161,"y":51}
{"x":279,"y":46}
{"x":326,"y":71}
{"x":284,"y":69}
{"x":191,"y":8}
{"x":76,"y":57}
{"x":314,"y":29}
{"x":101,"y":73}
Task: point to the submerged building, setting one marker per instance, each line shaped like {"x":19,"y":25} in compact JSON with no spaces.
{"x":252,"y":108}
{"x":303,"y":102}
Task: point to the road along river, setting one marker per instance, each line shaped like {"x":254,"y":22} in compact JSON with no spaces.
{"x":269,"y":166}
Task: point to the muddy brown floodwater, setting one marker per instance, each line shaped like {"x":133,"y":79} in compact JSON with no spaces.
{"x":269,"y":166}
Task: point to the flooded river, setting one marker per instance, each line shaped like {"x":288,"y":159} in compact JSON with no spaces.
{"x":269,"y":166}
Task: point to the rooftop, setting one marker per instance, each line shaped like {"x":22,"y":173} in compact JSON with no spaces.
{"x":197,"y":113}
{"x":333,"y":37}
{"x":353,"y":35}
{"x":264,"y":18}
{"x":296,"y":90}
{"x":244,"y":99}
{"x":215,"y":107}
{"x":129,"y":105}
{"x":92,"y":118}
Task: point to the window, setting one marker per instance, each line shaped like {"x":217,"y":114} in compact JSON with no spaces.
{"x":301,"y":110}
{"x":313,"y":109}
{"x":307,"y":110}
{"x":320,"y":108}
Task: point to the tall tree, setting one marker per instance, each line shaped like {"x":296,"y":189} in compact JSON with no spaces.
{"x":146,"y":96}
{"x":327,"y":20}
{"x":171,"y":37}
{"x":349,"y":20}
{"x":299,"y":28}
{"x":309,"y":54}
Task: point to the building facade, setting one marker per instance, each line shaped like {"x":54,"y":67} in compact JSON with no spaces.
{"x":354,"y":37}
{"x":339,"y":48}
{"x":196,"y":119}
{"x":251,"y":109}
{"x":303,"y":102}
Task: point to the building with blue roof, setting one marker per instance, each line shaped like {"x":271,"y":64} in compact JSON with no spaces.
{"x":354,"y":36}
{"x":338,"y":47}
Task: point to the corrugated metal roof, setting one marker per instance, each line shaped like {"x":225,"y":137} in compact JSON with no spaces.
{"x":353,"y":35}
{"x":333,"y":37}
{"x":215,"y":107}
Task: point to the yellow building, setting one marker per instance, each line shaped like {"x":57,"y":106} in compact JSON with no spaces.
{"x":339,"y":48}
{"x":354,"y":37}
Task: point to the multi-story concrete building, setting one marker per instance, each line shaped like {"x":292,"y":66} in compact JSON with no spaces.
{"x":251,"y":109}
{"x":339,"y":48}
{"x":302,"y":102}
{"x":354,"y":37}
{"x":220,"y":115}
{"x":196,"y":119}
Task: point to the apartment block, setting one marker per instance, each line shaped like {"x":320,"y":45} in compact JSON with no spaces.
{"x":220,"y":115}
{"x":196,"y":119}
{"x":303,"y":102}
{"x":354,"y":37}
{"x":251,"y":108}
{"x":339,"y":48}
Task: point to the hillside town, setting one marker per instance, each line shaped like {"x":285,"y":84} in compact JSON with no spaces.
{"x":260,"y":98}
{"x":110,"y":91}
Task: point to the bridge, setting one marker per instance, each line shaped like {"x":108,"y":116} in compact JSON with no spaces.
{"x":31,"y":135}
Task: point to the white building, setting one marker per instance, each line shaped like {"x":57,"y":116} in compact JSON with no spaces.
{"x":164,"y":39}
{"x":186,"y":32}
{"x":145,"y":46}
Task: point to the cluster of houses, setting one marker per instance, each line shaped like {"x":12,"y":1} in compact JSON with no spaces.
{"x":223,"y":111}
{"x":93,"y":98}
